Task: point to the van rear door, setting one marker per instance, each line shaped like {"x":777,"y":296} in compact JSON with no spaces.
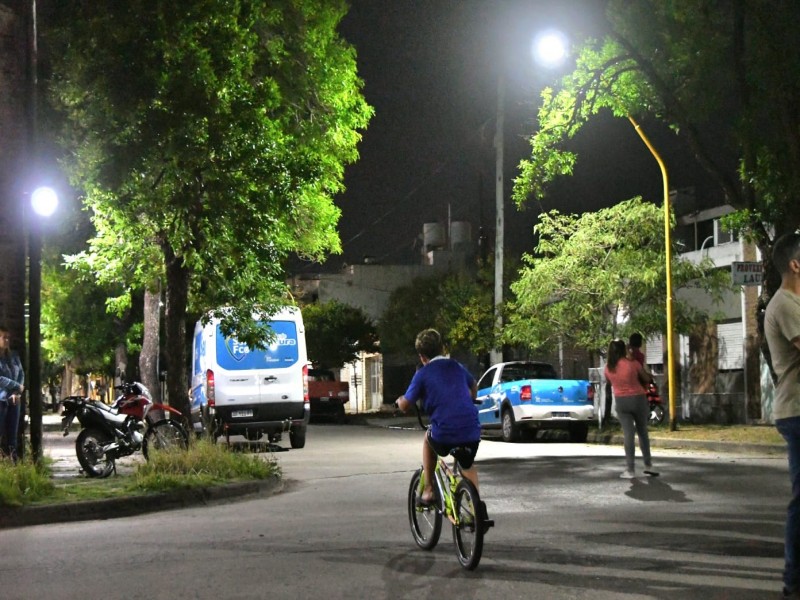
{"x":260,"y":375}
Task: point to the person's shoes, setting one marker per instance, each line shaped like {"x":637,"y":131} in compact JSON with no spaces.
{"x":484,"y":515}
{"x":422,"y":500}
{"x":650,"y":470}
{"x":627,"y":474}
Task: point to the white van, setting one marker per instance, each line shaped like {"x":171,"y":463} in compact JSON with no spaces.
{"x":238,"y":390}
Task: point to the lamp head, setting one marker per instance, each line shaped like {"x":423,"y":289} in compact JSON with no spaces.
{"x":550,"y":48}
{"x":44,"y":201}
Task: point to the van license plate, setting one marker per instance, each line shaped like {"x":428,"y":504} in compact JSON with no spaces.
{"x":240,"y":414}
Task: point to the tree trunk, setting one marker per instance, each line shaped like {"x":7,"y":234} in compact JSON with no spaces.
{"x":177,"y":293}
{"x":120,"y":364}
{"x":148,"y":359}
{"x":15,"y":135}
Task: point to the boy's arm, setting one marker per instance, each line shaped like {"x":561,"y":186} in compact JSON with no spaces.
{"x":404,"y":403}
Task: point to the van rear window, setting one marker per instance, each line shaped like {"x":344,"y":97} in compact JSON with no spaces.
{"x":283,"y":352}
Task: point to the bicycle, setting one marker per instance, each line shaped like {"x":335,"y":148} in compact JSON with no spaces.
{"x":458,"y":500}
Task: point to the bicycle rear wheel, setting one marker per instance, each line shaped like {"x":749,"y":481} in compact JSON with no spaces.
{"x":425,"y":521}
{"x":468,"y":534}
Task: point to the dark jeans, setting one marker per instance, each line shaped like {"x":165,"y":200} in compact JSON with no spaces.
{"x":9,"y":424}
{"x":790,"y":430}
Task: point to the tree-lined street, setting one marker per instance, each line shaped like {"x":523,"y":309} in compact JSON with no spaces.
{"x":567,"y":527}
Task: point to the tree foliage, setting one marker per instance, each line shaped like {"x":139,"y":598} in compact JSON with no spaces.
{"x":722,"y":75}
{"x":336,"y":333}
{"x":460,"y":307}
{"x":591,"y":273}
{"x":209,"y":138}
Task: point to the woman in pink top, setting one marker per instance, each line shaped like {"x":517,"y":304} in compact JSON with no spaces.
{"x":628,"y":379}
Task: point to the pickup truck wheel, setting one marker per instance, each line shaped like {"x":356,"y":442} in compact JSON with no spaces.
{"x":578,"y":432}
{"x":297,"y":437}
{"x":510,"y":428}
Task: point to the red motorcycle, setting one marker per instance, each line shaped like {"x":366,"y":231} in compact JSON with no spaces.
{"x":125,"y":427}
{"x":657,"y":410}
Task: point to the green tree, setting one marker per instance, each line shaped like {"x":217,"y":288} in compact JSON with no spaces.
{"x":592,"y":270}
{"x":722,"y":75}
{"x":209,"y":138}
{"x":336,"y":333}
{"x":460,"y":307}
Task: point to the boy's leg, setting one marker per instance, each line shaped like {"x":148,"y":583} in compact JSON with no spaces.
{"x":472,"y":475}
{"x":428,"y":466}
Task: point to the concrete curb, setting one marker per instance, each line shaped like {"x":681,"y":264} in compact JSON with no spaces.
{"x":129,"y":506}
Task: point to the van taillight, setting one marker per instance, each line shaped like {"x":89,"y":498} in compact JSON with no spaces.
{"x":210,"y":393}
{"x":306,"y":399}
{"x":525,"y":393}
{"x":590,"y":393}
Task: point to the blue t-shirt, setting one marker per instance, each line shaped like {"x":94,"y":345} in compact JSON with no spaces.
{"x":446,"y":391}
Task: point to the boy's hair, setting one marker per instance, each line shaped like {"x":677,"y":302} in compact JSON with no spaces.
{"x":635,"y":341}
{"x":785,"y":249}
{"x":429,"y":343}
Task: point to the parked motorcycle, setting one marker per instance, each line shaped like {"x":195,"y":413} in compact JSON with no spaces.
{"x":657,"y":410}
{"x":120,"y":429}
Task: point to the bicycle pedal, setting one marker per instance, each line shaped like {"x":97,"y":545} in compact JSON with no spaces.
{"x":488,"y":524}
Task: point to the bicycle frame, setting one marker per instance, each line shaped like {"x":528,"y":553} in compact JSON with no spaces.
{"x":446,"y":480}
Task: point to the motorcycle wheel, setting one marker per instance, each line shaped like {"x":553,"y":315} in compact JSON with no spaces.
{"x":164,"y":435}
{"x":657,"y":414}
{"x":89,"y":448}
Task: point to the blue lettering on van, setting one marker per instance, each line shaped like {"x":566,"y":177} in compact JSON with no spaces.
{"x":282,"y":352}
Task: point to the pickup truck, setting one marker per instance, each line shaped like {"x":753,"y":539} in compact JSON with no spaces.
{"x":327,"y":395}
{"x":523,"y":395}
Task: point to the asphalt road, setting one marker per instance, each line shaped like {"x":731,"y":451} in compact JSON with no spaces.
{"x":567,"y":527}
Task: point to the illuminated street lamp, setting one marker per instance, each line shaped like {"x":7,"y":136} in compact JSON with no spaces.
{"x":549,"y":49}
{"x":44,"y":202}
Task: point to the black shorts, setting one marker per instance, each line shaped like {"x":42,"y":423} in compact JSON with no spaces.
{"x":463,"y":453}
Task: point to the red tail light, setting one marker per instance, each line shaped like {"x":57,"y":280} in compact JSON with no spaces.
{"x":590,"y":393}
{"x":306,"y":400}
{"x":525,"y":394}
{"x":210,"y":391}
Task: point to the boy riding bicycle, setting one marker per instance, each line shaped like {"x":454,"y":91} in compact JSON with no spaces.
{"x":447,"y":391}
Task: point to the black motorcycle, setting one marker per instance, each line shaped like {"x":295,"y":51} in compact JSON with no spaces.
{"x":120,"y":429}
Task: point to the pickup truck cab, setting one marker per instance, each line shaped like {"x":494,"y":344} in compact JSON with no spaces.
{"x":327,"y":395}
{"x":526,"y":395}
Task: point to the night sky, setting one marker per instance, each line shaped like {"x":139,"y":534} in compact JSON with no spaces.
{"x":430,"y":69}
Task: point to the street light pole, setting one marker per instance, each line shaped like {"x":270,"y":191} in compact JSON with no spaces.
{"x":549,"y":50}
{"x":34,"y":335}
{"x":496,"y":354}
{"x":673,"y":422}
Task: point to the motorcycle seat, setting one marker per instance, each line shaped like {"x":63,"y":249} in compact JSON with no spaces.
{"x":111,"y":413}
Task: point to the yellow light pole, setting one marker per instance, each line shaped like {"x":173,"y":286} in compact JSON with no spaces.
{"x":673,"y":423}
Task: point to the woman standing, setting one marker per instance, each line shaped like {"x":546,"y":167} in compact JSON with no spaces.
{"x":628,"y":379}
{"x":11,"y":387}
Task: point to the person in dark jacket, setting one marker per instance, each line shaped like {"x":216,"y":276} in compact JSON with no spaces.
{"x":12,"y":379}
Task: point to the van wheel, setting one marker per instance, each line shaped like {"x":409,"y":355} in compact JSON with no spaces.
{"x":297,"y":436}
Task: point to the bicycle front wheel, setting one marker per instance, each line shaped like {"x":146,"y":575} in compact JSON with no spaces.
{"x":425,"y":521}
{"x":468,"y":532}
